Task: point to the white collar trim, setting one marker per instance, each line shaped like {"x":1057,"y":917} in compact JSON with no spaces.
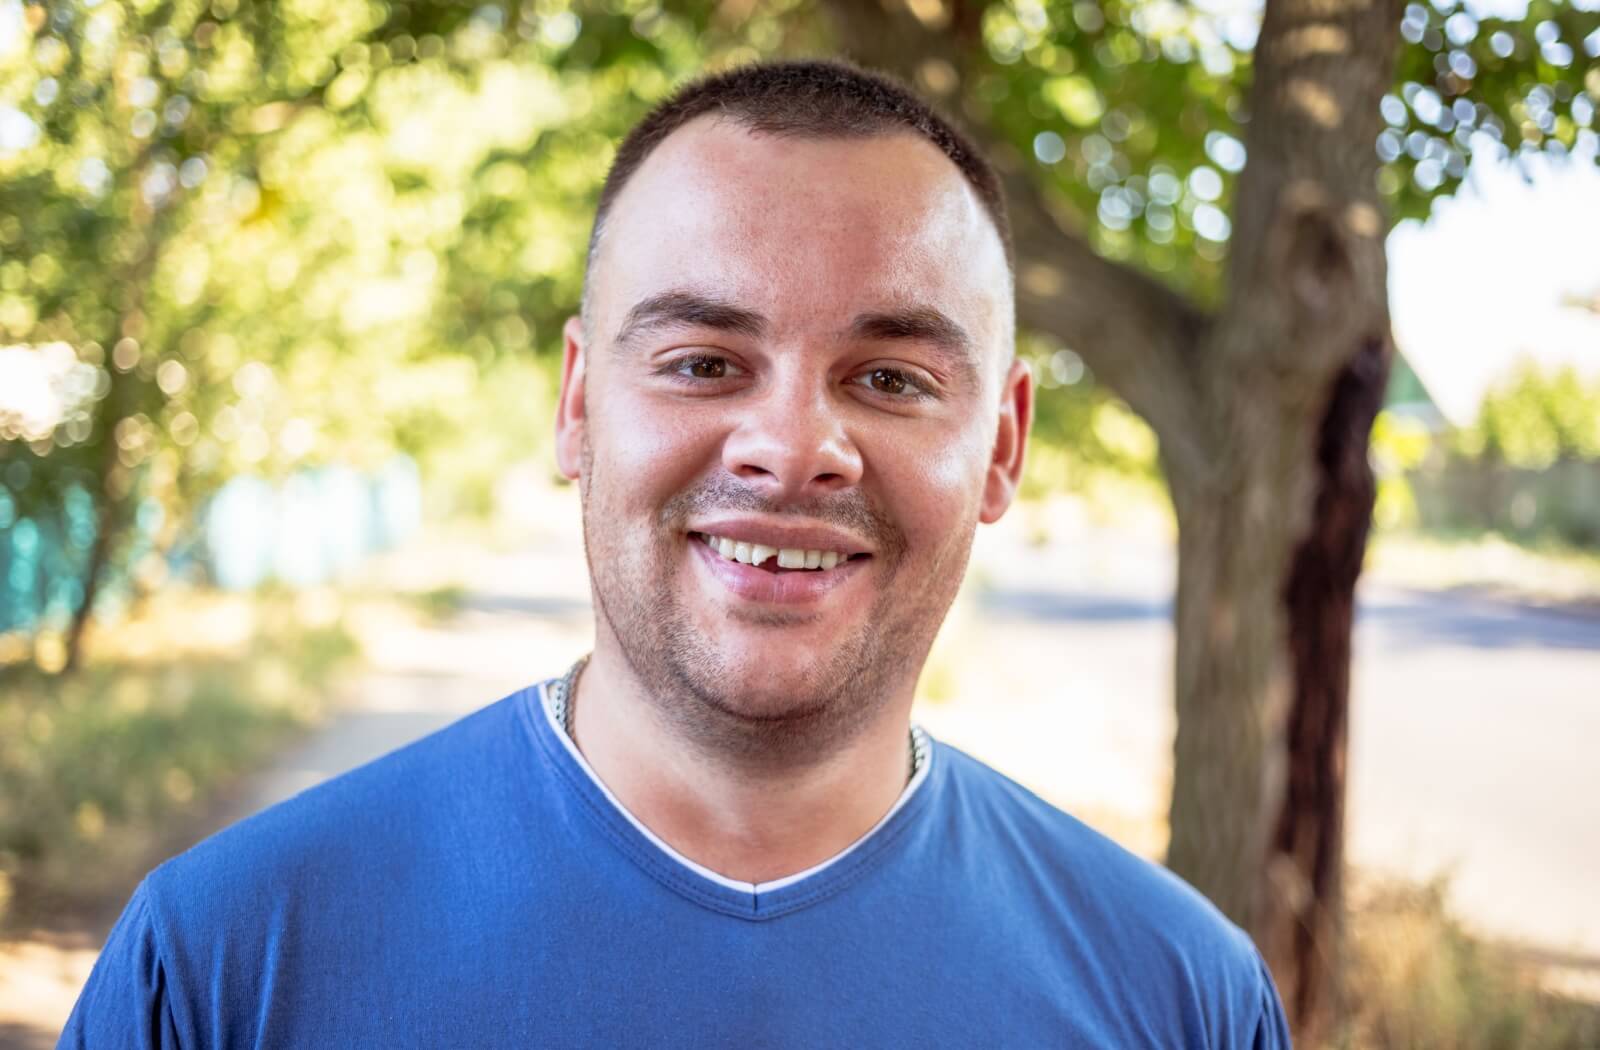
{"x":753,"y":888}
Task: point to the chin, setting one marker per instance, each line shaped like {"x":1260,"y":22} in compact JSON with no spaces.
{"x":771,"y":686}
{"x":774,"y":691}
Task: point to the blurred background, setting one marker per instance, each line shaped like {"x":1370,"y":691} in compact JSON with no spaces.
{"x":281,"y":288}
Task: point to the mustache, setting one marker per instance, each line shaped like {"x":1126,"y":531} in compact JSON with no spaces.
{"x":850,"y":509}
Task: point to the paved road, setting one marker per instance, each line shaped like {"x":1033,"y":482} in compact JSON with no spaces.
{"x":1472,"y":723}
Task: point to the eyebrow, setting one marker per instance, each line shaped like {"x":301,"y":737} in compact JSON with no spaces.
{"x":689,"y":309}
{"x":922,"y":324}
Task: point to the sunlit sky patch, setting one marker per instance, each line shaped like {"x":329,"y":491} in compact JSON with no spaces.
{"x":1495,"y":276}
{"x":39,"y":387}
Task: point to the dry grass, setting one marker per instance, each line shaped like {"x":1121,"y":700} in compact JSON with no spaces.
{"x":96,"y":766}
{"x":1415,"y":977}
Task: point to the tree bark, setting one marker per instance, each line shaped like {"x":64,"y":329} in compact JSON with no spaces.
{"x":1301,"y":929}
{"x":1231,"y":675}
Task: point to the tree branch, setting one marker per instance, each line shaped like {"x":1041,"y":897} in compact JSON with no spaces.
{"x":1141,"y":338}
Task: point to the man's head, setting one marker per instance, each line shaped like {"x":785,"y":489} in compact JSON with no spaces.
{"x":797,"y":334}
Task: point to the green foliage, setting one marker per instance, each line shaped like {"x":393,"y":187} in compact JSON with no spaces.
{"x":1132,"y":113}
{"x":441,"y":603}
{"x":1082,"y":432}
{"x":1129,"y":115}
{"x":1399,"y":444}
{"x":1535,"y":419}
{"x":1470,"y":86}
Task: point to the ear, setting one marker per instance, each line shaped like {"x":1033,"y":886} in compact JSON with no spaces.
{"x":571,"y":422}
{"x":1011,"y":439}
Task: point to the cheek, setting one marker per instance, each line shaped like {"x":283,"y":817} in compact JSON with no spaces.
{"x":934,"y":485}
{"x":640,"y":450}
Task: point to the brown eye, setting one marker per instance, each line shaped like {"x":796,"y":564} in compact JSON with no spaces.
{"x":708,"y":368}
{"x":888,"y":381}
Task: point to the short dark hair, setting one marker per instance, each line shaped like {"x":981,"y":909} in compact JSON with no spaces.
{"x":813,"y":98}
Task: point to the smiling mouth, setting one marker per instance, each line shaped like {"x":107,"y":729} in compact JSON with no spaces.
{"x":775,"y":559}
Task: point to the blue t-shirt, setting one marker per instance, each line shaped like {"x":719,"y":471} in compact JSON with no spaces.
{"x":480,"y":888}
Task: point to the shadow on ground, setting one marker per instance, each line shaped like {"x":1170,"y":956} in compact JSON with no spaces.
{"x":1402,"y":618}
{"x":1469,"y":618}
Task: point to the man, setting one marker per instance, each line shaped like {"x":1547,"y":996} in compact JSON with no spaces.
{"x":788,"y":402}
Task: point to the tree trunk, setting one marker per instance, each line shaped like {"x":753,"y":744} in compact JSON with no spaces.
{"x":1307,"y":315}
{"x":108,"y":516}
{"x":1231,"y":677}
{"x":1300,"y":930}
{"x":93,"y":573}
{"x":1270,"y":549}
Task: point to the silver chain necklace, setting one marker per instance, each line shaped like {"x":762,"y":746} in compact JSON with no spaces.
{"x":563,"y":695}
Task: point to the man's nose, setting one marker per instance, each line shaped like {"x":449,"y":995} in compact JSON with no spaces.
{"x":792,"y":444}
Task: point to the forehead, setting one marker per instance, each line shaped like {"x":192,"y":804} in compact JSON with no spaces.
{"x":802,"y":227}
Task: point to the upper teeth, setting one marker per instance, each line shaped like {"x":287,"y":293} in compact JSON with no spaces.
{"x":788,"y":557}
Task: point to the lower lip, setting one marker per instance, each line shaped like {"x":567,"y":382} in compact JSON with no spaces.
{"x":779,"y":588}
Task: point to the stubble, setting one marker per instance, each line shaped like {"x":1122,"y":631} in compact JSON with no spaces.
{"x":690,"y":682}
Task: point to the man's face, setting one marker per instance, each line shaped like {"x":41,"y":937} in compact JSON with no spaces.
{"x":799,"y":345}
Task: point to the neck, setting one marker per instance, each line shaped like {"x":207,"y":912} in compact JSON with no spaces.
{"x":750,"y":822}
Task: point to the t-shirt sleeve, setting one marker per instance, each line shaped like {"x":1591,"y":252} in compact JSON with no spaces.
{"x":1272,"y":1028}
{"x":125,"y":1002}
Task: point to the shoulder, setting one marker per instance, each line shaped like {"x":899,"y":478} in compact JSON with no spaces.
{"x":127,"y":991}
{"x":303,"y":882}
{"x":1141,"y":920}
{"x":382,"y":816}
{"x":1096,"y":871}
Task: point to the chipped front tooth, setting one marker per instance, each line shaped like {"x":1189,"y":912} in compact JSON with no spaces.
{"x":788,"y":557}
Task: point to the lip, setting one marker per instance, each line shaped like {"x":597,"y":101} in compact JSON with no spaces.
{"x":779,"y":535}
{"x":787,"y":588}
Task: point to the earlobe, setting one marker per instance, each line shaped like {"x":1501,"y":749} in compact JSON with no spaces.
{"x":1010,"y":443}
{"x":570,"y":417}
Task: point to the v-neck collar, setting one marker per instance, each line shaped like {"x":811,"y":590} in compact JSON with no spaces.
{"x":694,"y":881}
